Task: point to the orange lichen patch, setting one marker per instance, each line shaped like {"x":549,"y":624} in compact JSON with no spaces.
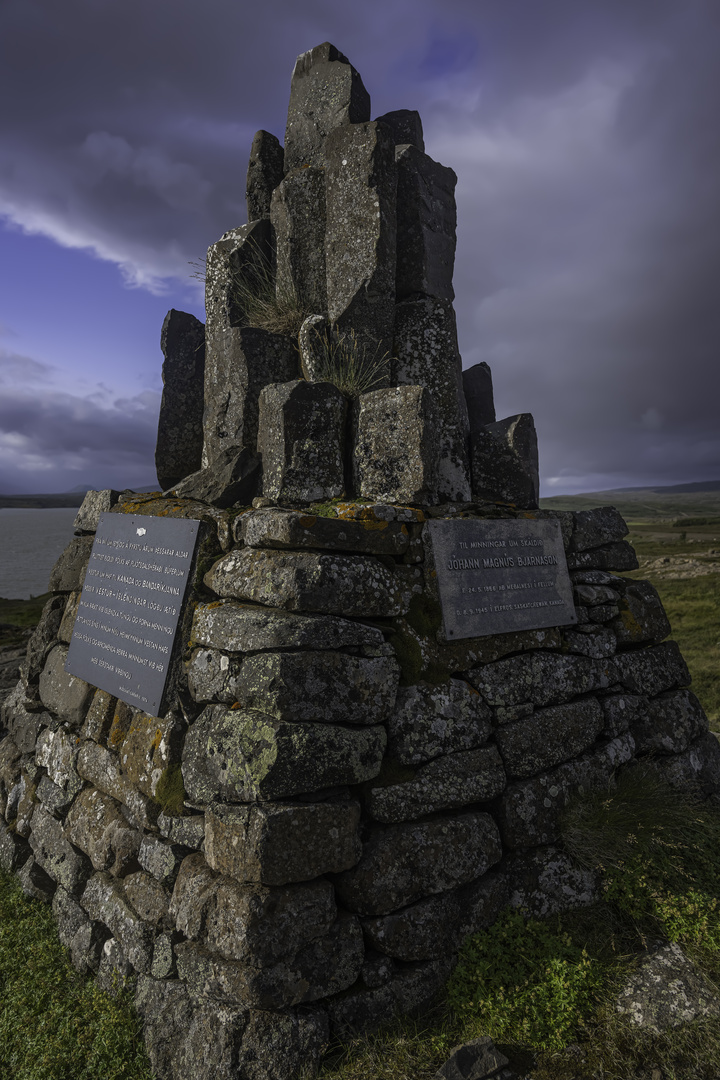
{"x":404,"y":530}
{"x":215,"y":604}
{"x":375,"y":525}
{"x":308,"y":520}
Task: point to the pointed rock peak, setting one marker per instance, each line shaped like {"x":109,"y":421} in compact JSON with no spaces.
{"x":326,"y":92}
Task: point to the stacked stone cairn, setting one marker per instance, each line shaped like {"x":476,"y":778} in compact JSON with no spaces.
{"x":335,"y":795}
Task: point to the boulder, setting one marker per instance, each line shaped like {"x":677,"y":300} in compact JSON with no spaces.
{"x":301,"y":431}
{"x":545,"y":881}
{"x":667,"y":991}
{"x":426,"y":224}
{"x":360,"y":237}
{"x":178,"y":452}
{"x":104,"y":901}
{"x":278,"y":844}
{"x":297,"y":214}
{"x":402,"y":863}
{"x":669,"y":724}
{"x":102,"y":768}
{"x":149,"y":898}
{"x":161,"y":859}
{"x":397,"y":448}
{"x":478,"y":388}
{"x":150,"y":747}
{"x":213,"y":676}
{"x":619,"y":556}
{"x":504,"y":462}
{"x":426,"y":354}
{"x":429,"y":721}
{"x":475,"y":1060}
{"x":264,"y":173}
{"x":245,"y":756}
{"x":232,"y":479}
{"x":82,"y":937}
{"x":44,"y":636}
{"x":326,"y":92}
{"x":314,"y":582}
{"x":421,"y":931}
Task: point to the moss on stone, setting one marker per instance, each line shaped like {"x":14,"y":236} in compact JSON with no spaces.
{"x":170,"y":791}
{"x":424,"y":615}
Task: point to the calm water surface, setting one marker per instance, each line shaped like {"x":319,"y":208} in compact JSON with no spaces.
{"x":30,"y":542}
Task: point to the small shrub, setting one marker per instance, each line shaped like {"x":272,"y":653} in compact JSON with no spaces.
{"x":522,"y":982}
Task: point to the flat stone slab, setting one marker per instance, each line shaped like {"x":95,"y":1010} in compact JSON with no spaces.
{"x":242,"y":628}
{"x":276,"y":528}
{"x":549,"y":737}
{"x":447,"y":783}
{"x":304,"y":581}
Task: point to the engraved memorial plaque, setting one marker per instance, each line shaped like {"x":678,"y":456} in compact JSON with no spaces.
{"x":495,"y":577}
{"x":124,"y":631}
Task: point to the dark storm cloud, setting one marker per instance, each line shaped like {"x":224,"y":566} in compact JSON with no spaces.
{"x":586,"y":142}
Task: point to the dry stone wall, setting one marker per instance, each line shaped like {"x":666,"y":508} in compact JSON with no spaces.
{"x":336,"y":796}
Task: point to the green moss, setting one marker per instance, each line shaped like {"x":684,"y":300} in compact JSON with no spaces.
{"x":170,"y":792}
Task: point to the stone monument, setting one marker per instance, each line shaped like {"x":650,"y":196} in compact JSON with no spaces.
{"x":337,"y":790}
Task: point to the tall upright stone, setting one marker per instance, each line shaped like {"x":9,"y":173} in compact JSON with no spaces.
{"x":297,"y":214}
{"x":478,"y":387}
{"x":360,"y":241}
{"x":395,"y":457}
{"x":426,"y":224}
{"x":245,"y":251}
{"x":242,"y":360}
{"x":265,"y":171}
{"x":178,"y":452}
{"x":326,"y":92}
{"x":505,"y":462}
{"x":426,"y":354}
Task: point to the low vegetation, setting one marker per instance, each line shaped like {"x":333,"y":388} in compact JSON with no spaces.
{"x":54,"y":1023}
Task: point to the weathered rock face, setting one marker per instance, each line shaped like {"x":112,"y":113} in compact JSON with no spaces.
{"x":297,"y":214}
{"x":426,"y":354}
{"x":180,"y":427}
{"x":429,"y":721}
{"x":360,"y":238}
{"x":326,"y":92}
{"x":265,"y":171}
{"x":240,"y":362}
{"x":667,"y":991}
{"x":505,"y":462}
{"x":300,"y":438}
{"x":396,"y":452}
{"x":426,"y":223}
{"x":478,"y":387}
{"x":233,"y":478}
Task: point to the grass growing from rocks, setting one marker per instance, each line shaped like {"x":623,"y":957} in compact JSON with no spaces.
{"x":54,"y":1023}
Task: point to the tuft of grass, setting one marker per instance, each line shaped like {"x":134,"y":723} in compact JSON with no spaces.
{"x":343,"y":360}
{"x":54,"y":1023}
{"x":267,"y":304}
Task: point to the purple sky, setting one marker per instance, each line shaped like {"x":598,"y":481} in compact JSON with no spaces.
{"x":586,"y":139}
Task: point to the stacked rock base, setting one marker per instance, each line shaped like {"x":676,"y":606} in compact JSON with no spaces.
{"x":294,"y":852}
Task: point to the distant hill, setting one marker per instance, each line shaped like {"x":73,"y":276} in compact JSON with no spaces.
{"x":46,"y":502}
{"x":655,"y":503}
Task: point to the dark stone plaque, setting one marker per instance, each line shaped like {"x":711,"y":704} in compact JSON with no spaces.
{"x":134,"y":587}
{"x":498,"y":576}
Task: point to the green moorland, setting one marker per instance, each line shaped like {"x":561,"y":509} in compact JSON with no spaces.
{"x":543,"y":989}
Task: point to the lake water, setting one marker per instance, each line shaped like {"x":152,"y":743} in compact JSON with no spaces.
{"x":30,"y":542}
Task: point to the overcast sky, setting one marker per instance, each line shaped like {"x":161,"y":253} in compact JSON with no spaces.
{"x":586,"y":139}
